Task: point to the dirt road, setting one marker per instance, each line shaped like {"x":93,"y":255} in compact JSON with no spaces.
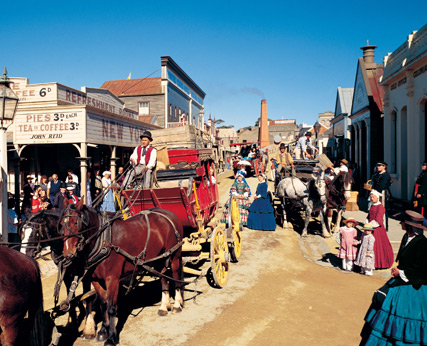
{"x":274,"y":296}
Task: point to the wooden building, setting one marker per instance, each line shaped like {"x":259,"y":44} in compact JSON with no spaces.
{"x":57,"y":127}
{"x":367,"y":115}
{"x":167,"y":101}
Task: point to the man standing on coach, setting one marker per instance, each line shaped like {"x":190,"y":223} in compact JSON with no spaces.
{"x":143,"y":159}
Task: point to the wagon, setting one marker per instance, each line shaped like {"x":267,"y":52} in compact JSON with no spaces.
{"x":254,"y":165}
{"x":303,"y":170}
{"x":188,"y":188}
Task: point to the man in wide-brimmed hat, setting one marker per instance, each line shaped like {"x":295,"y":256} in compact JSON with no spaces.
{"x":284,"y":164}
{"x":143,"y":160}
{"x":302,"y":145}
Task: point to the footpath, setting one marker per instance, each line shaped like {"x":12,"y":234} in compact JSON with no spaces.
{"x":323,"y":251}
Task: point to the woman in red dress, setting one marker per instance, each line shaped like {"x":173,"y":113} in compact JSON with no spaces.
{"x":383,"y":251}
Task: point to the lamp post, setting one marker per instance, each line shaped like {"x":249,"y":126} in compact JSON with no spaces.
{"x":8,"y":104}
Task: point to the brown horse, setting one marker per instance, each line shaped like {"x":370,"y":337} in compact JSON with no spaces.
{"x":338,"y":192}
{"x":152,"y":234}
{"x":44,"y":225}
{"x":20,"y":292}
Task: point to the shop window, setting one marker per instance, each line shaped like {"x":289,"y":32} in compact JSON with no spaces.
{"x":144,"y":108}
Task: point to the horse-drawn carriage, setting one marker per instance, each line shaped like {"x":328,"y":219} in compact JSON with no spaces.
{"x":305,"y":188}
{"x":251,"y":165}
{"x":188,"y":188}
{"x":165,"y":231}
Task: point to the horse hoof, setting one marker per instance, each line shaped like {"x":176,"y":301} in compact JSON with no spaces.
{"x":101,"y":337}
{"x":110,"y":342}
{"x":162,"y":312}
{"x":89,"y":337}
{"x":304,"y":235}
{"x":176,"y":310}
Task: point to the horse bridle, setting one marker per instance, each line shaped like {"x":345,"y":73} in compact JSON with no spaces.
{"x":78,"y":234}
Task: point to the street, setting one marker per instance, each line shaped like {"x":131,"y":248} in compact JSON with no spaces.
{"x":277,"y":294}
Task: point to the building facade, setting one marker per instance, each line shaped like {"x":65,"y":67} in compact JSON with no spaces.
{"x":340,"y":145}
{"x":367,"y":115}
{"x":168,"y":101}
{"x":57,"y":127}
{"x":405,"y":100}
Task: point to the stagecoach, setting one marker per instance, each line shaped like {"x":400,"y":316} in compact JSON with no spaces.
{"x":188,"y":188}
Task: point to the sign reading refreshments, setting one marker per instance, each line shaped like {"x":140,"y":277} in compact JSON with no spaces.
{"x":49,"y":127}
{"x":101,"y":99}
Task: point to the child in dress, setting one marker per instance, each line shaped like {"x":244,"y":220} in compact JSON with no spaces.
{"x":348,"y":249}
{"x":365,"y":256}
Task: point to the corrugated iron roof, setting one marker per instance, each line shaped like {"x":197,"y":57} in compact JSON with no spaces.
{"x":377,"y":90}
{"x":132,"y":87}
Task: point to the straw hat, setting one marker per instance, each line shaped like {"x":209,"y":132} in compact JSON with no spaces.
{"x":368,"y":227}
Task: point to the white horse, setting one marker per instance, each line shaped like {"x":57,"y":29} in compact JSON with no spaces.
{"x":311,"y":194}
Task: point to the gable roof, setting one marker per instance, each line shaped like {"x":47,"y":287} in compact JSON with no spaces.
{"x":366,"y":87}
{"x":344,"y":101}
{"x":133,"y":87}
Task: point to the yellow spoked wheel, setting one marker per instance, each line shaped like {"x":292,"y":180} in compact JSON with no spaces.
{"x":234,"y":230}
{"x":219,"y":258}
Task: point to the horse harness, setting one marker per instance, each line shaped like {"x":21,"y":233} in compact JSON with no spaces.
{"x":103,"y":247}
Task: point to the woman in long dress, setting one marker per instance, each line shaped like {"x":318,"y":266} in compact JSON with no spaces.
{"x":382,"y":247}
{"x":241,"y":190}
{"x":398,"y":313}
{"x":108,"y":201}
{"x":261,"y":212}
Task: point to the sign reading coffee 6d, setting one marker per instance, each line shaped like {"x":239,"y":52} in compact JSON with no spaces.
{"x":50,"y":127}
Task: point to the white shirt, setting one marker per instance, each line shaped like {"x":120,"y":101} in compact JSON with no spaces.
{"x":75,"y":178}
{"x":151,"y":162}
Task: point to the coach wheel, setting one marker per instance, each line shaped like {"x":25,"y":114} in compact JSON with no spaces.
{"x":234,"y":230}
{"x":219,"y":259}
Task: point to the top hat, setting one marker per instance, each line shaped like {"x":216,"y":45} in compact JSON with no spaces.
{"x":63,"y":185}
{"x":146,"y":134}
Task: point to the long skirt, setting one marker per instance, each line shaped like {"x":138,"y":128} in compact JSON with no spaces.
{"x":261,"y":215}
{"x":108,"y":203}
{"x":383,"y":251}
{"x":243,"y":204}
{"x":402,"y":319}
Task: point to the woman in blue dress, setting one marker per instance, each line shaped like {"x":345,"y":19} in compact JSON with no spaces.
{"x":108,"y":201}
{"x":398,"y":313}
{"x":261,"y":212}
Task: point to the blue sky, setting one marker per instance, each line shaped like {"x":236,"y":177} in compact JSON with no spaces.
{"x":293,"y":55}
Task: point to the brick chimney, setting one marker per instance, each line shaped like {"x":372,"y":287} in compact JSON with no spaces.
{"x":369,"y":55}
{"x":263,"y":126}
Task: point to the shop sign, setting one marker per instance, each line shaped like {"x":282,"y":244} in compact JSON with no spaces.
{"x":102,"y":130}
{"x":33,"y":92}
{"x":97,"y":98}
{"x":93,"y":97}
{"x":49,"y":127}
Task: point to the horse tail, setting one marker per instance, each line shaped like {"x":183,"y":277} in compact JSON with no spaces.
{"x":36,"y":315}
